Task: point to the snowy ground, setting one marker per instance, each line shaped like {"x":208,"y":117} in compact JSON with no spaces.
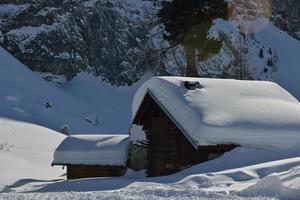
{"x":240,"y":174}
{"x":25,"y":173}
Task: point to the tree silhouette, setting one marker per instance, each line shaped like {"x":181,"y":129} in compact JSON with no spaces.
{"x":261,"y":53}
{"x":187,"y":22}
{"x":270,"y":51}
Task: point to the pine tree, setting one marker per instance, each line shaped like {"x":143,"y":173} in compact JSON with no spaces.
{"x":188,"y":22}
{"x":270,"y":51}
{"x":261,"y":53}
{"x":270,"y":62}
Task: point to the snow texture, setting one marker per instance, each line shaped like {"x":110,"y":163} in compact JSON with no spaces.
{"x":86,"y":104}
{"x":256,"y":114}
{"x":26,"y":151}
{"x":105,"y":150}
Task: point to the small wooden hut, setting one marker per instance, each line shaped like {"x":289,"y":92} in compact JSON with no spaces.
{"x":166,"y":149}
{"x":179,"y":121}
{"x":93,"y":155}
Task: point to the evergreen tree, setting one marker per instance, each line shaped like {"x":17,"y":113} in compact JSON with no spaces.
{"x":261,"y":53}
{"x":270,"y":51}
{"x":275,"y":57}
{"x":188,"y":22}
{"x":270,"y":62}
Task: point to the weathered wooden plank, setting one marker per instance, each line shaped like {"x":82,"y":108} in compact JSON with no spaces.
{"x":82,"y":171}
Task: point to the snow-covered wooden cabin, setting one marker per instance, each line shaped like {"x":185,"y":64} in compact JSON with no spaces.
{"x":179,"y":121}
{"x":93,"y":155}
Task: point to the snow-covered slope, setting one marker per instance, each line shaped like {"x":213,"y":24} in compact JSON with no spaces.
{"x":108,"y":106}
{"x":85,"y":105}
{"x":263,"y":43}
{"x":26,"y":151}
{"x":288,"y":51}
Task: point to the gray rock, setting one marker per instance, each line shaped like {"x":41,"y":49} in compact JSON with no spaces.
{"x":67,"y":37}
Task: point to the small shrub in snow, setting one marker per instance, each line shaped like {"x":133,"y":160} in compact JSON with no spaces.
{"x":261,"y":53}
{"x":48,"y":105}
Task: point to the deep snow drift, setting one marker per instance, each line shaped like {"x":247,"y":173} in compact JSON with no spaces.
{"x":26,"y":151}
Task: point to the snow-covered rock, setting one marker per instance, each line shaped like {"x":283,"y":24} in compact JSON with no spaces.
{"x":68,"y":37}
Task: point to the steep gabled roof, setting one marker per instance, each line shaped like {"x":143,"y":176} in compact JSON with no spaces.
{"x":217,"y":111}
{"x":104,"y":150}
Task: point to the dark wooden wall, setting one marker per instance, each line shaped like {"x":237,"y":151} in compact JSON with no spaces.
{"x":82,"y":171}
{"x":169,"y":151}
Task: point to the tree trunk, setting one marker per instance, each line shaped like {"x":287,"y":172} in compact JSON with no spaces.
{"x":191,"y":70}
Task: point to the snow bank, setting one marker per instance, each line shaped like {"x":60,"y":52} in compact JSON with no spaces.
{"x":26,"y":151}
{"x":249,"y":113}
{"x":92,"y":150}
{"x":270,"y":186}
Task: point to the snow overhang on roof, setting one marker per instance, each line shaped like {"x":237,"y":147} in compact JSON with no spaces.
{"x":217,"y":111}
{"x":104,"y":150}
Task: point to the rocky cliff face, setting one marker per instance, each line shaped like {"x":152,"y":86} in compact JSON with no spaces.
{"x":119,"y":40}
{"x":286,"y":15}
{"x":66,"y":37}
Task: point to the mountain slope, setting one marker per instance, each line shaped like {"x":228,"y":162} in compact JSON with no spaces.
{"x":274,"y":44}
{"x":287,"y":49}
{"x":68,"y":37}
{"x":85,"y":105}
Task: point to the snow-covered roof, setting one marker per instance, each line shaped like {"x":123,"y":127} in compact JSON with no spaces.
{"x":105,"y":150}
{"x":218,"y":111}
